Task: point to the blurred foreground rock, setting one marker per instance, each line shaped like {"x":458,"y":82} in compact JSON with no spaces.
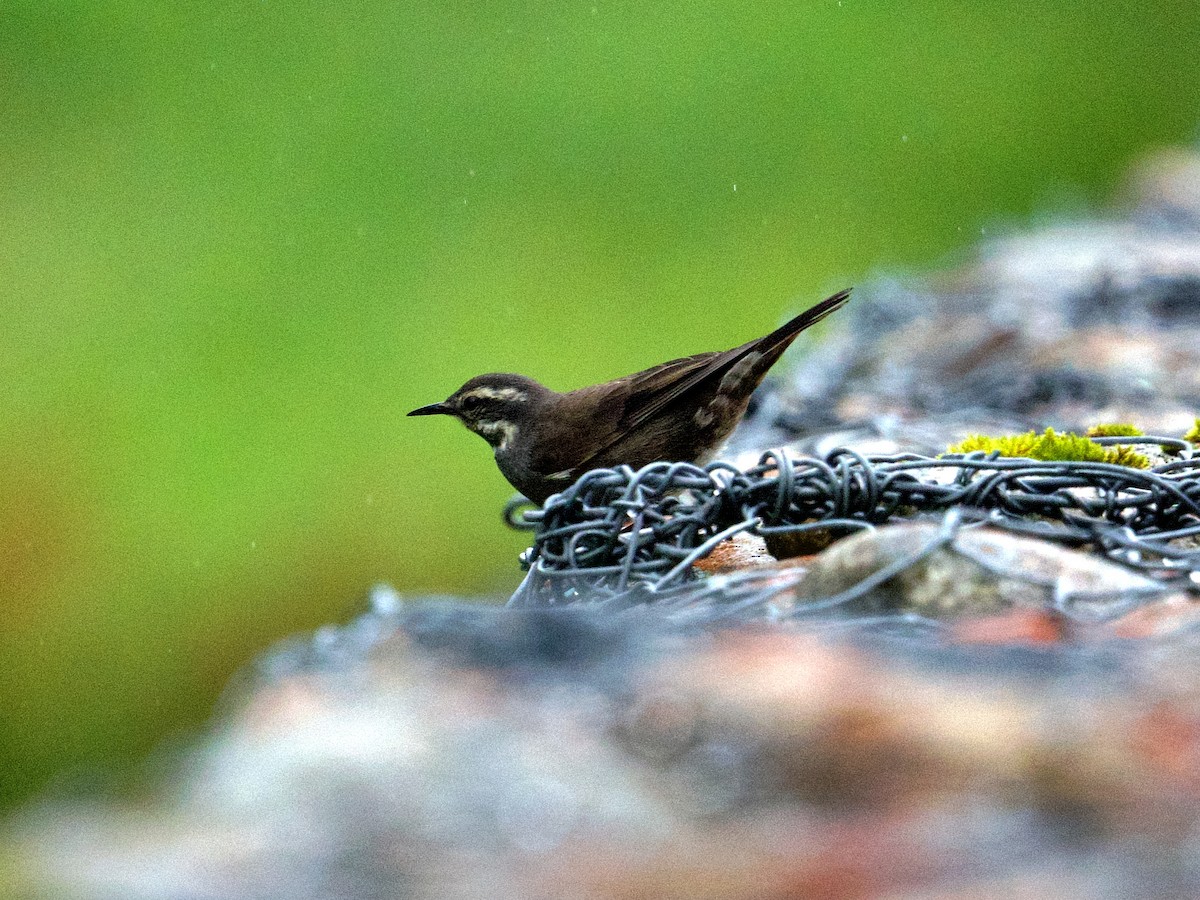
{"x":482,"y":752}
{"x":990,"y":716}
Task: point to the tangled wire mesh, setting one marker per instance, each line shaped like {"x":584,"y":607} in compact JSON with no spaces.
{"x":624,"y":536}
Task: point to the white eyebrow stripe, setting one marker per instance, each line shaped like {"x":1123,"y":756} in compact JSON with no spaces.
{"x":489,"y":393}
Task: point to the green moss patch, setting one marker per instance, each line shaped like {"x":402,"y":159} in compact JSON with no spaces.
{"x":1193,"y":433}
{"x":1052,"y":447}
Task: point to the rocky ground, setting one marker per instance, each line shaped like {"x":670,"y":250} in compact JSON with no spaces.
{"x":982,"y":713}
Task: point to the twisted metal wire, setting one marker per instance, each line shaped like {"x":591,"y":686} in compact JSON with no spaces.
{"x":622,"y":536}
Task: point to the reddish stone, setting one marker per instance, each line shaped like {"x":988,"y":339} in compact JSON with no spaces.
{"x":1018,"y":626}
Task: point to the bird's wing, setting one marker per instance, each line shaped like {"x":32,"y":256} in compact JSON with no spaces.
{"x":655,"y":389}
{"x":612,"y":417}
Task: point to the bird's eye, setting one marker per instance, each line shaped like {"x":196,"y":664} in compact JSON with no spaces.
{"x":471,"y":401}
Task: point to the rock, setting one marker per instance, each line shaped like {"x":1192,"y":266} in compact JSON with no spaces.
{"x":1035,"y":627}
{"x":974,"y":571}
{"x":1164,"y":189}
{"x":737,"y":764}
{"x":792,"y":544}
{"x":742,"y":551}
{"x":1167,"y":616}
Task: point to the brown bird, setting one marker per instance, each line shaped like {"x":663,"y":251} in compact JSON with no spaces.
{"x":681,"y":411}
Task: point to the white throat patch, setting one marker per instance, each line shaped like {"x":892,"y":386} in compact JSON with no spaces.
{"x":505,"y":431}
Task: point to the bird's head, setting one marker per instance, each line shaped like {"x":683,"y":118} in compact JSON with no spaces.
{"x":494,"y":406}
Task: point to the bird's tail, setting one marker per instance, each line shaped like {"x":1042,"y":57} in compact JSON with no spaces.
{"x":782,"y":337}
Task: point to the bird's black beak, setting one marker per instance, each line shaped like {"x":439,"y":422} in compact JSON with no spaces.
{"x":433,"y":409}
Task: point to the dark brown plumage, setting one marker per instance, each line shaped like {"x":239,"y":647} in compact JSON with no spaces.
{"x":681,"y":411}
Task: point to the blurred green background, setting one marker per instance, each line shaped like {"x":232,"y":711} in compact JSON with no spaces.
{"x":241,"y":240}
